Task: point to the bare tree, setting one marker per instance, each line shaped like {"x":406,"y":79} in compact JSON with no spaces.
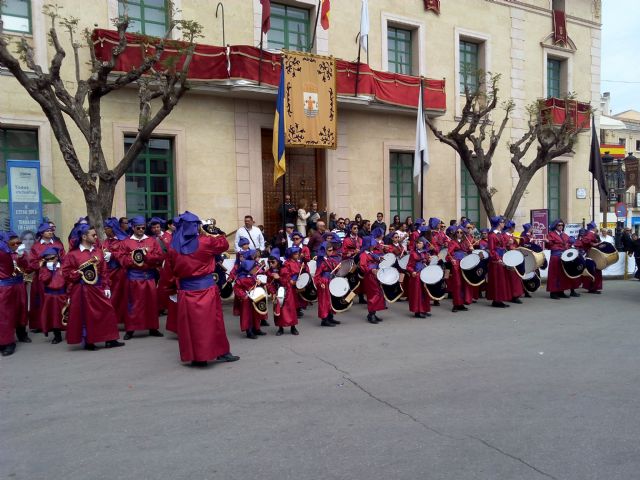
{"x":156,"y":79}
{"x":475,"y":138}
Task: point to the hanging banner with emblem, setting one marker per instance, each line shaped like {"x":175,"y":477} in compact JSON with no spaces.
{"x":311,"y":100}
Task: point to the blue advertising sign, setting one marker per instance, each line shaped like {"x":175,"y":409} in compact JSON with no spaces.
{"x":25,"y":203}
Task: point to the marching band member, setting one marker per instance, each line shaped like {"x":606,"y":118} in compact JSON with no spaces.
{"x":589,"y":240}
{"x":13,"y":295}
{"x":305,"y":258}
{"x":191,"y":261}
{"x":483,"y":243}
{"x":273,"y":280}
{"x":91,"y":315}
{"x":164,"y":242}
{"x":459,"y":247}
{"x":142,"y":293}
{"x":246,"y":281}
{"x":369,"y":259}
{"x":557,"y":280}
{"x":54,"y":294}
{"x":419,"y":302}
{"x":328,"y":261}
{"x":351,"y":247}
{"x":498,"y":290}
{"x":515,"y":281}
{"x":117,"y":275}
{"x":525,"y":237}
{"x":288,"y":276}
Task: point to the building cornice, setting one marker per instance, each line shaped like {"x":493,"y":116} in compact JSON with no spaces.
{"x":546,"y":12}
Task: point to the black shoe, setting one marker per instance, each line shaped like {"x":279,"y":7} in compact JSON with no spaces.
{"x":264,"y":323}
{"x":36,"y":330}
{"x":595,"y":292}
{"x":335,"y":322}
{"x":436,"y":303}
{"x":259,"y":332}
{"x":154,"y":332}
{"x":251,"y":335}
{"x":196,"y":363}
{"x":462,"y":308}
{"x":499,"y":304}
{"x":527,"y":295}
{"x":371,"y":319}
{"x":516,"y":300}
{"x":418,"y":315}
{"x":563,"y":295}
{"x":8,"y":349}
{"x":300,"y":313}
{"x":574,"y":294}
{"x":326,"y":323}
{"x":56,"y":339}
{"x":280,"y":332}
{"x":128,"y":335}
{"x":294,"y":331}
{"x":554,"y":296}
{"x":23,"y":336}
{"x":454,"y":309}
{"x":426,"y":314}
{"x":378,"y":319}
{"x":91,"y":347}
{"x":361,"y":299}
{"x":228,"y":357}
{"x":113,"y":344}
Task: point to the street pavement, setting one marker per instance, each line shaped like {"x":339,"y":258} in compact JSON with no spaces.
{"x":548,"y":389}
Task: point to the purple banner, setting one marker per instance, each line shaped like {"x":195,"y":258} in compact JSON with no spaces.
{"x":539,"y":225}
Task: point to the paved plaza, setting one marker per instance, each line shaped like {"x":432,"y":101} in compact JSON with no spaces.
{"x":548,"y":389}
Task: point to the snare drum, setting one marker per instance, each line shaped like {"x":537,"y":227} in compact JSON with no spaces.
{"x":388,"y":275}
{"x":339,"y":287}
{"x":312,"y":267}
{"x":281,"y":294}
{"x":572,"y":263}
{"x":303,"y":280}
{"x":433,"y":278}
{"x":345,"y":267}
{"x":403,"y":262}
{"x":388,"y":260}
{"x":514,"y":259}
{"x":258,"y":298}
{"x":474,"y":269}
{"x":262,"y":278}
{"x":531,"y":281}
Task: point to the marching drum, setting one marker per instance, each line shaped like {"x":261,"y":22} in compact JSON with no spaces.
{"x":531,"y":281}
{"x":281,"y":294}
{"x":403,"y":262}
{"x":572,"y":263}
{"x":603,"y":254}
{"x":306,"y":288}
{"x":312,"y":267}
{"x":341,"y":299}
{"x":258,"y":297}
{"x":388,"y":260}
{"x":474,"y":269}
{"x":262,"y":278}
{"x":389,"y":279}
{"x":345,"y":268}
{"x":589,"y":268}
{"x":227,"y":290}
{"x":433,"y":278}
{"x":303,"y":280}
{"x":514,"y":259}
{"x":443,"y":254}
{"x":533,"y":258}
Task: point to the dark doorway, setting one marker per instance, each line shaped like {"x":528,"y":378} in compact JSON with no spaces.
{"x":305,"y":179}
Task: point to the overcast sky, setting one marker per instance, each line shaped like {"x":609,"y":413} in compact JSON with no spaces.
{"x":621,"y":53}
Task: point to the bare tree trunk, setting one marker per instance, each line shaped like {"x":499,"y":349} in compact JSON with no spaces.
{"x":487,"y":201}
{"x":516,"y":196}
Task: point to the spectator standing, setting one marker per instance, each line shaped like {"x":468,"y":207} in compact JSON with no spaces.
{"x":251,"y":233}
{"x":303,"y":216}
{"x":379,"y":223}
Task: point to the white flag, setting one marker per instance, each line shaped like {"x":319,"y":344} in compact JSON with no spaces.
{"x":364,"y":25}
{"x":422,"y":150}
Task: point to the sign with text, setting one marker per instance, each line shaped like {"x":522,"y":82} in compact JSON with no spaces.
{"x":25,"y":203}
{"x":539,"y":225}
{"x":572,"y":229}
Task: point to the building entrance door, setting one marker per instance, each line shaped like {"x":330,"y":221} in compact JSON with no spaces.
{"x":305,"y":179}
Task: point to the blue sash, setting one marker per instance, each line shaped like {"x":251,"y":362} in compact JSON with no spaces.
{"x":10,"y":282}
{"x":113,"y":264}
{"x":557,"y":253}
{"x":197,"y":283}
{"x":55,"y":291}
{"x":500,"y":251}
{"x":458,"y":255}
{"x":141,"y":274}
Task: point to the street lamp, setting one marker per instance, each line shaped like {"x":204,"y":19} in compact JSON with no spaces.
{"x":609,"y":164}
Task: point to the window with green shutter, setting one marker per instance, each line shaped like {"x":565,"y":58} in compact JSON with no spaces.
{"x":399,"y":50}
{"x":469,"y":196}
{"x":149,"y":181}
{"x":469,"y":65}
{"x":289,"y":28}
{"x":553,"y":190}
{"x":401,"y":184}
{"x":16,"y":15}
{"x":148,"y":17}
{"x":553,"y":77}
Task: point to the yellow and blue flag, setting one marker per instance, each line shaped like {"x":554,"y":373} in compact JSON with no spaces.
{"x":280,"y":165}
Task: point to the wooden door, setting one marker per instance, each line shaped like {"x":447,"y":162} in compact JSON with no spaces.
{"x":304,"y":180}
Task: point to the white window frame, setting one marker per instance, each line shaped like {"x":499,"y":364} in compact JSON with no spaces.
{"x":566,"y":69}
{"x":418,"y":40}
{"x":112,"y":8}
{"x":484,"y":55}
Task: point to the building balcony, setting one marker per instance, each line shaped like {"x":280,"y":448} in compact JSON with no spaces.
{"x":555,"y":111}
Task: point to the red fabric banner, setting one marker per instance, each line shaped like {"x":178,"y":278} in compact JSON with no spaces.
{"x":560,"y":35}
{"x":324,"y":14}
{"x":555,"y":110}
{"x":210,"y":63}
{"x":432,"y":5}
{"x":266,"y":15}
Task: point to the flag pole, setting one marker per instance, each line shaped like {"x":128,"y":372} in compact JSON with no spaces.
{"x":359,"y":40}
{"x":315,"y":27}
{"x":284,"y":193}
{"x":593,"y":198}
{"x":421,"y":108}
{"x":260,"y":60}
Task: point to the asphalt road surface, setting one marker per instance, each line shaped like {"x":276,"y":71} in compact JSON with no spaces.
{"x":548,"y":389}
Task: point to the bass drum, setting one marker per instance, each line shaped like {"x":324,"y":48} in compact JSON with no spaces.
{"x":432,"y":276}
{"x":388,"y":260}
{"x":572,"y":263}
{"x":474,"y":269}
{"x":514,"y":259}
{"x":531,"y":282}
{"x":389,"y":279}
{"x":341,"y":299}
{"x":603,"y":254}
{"x":227,"y":290}
{"x":306,"y":288}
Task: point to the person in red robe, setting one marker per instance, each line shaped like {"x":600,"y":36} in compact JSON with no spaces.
{"x":142,"y":294}
{"x":45,"y":238}
{"x":246,"y":281}
{"x":557,"y":280}
{"x":287,"y":278}
{"x":460,"y":290}
{"x":369,"y":260}
{"x":419,"y":303}
{"x":13,"y":295}
{"x":164,"y":241}
{"x":189,"y":266}
{"x":305,"y":258}
{"x":328,"y":261}
{"x":515,"y":281}
{"x":91,"y":315}
{"x":55,"y":294}
{"x":117,"y":275}
{"x":498,"y":290}
{"x":591,"y":239}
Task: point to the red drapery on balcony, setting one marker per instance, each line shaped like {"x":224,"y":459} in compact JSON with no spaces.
{"x":555,"y":110}
{"x":211,"y":63}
